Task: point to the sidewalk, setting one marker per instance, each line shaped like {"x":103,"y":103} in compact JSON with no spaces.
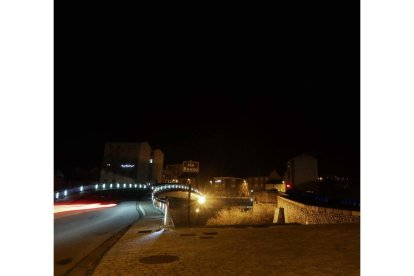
{"x":273,"y":250}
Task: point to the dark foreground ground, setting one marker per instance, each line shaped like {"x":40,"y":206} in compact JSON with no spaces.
{"x":248,"y":250}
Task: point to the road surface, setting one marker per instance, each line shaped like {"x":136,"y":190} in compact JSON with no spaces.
{"x":76,"y":235}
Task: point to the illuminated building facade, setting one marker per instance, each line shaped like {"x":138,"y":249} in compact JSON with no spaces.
{"x":131,"y":162}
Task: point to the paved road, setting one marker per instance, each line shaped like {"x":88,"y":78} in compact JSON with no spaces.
{"x":77,"y":235}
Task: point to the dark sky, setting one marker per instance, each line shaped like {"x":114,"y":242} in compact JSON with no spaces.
{"x":242,"y":91}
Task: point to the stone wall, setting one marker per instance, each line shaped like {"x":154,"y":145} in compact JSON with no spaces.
{"x":289,"y":211}
{"x":265,"y":197}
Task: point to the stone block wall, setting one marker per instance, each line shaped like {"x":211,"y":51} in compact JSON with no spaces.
{"x":289,"y":211}
{"x":265,"y":197}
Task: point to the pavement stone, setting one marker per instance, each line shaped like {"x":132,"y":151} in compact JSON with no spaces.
{"x":332,"y":249}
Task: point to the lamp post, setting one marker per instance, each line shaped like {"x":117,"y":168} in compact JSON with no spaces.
{"x":189,"y":204}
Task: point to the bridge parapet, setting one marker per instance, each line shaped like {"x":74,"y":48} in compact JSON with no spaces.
{"x":163,"y":204}
{"x":61,"y":194}
{"x":290,"y":211}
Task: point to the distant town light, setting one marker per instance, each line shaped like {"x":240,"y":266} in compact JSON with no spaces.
{"x":218,"y":181}
{"x":117,"y":185}
{"x":57,"y":195}
{"x":96,"y":186}
{"x":81,"y":188}
{"x":65,"y":193}
{"x":108,"y":164}
{"x":103,"y":186}
{"x":197,"y":210}
{"x":151,"y":160}
{"x":124,"y":185}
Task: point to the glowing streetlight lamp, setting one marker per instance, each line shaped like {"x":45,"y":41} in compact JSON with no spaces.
{"x":201,"y":199}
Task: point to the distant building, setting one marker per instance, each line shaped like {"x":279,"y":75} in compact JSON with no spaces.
{"x":229,"y":186}
{"x":156,"y":164}
{"x":172,"y":173}
{"x":275,"y":182}
{"x":180,"y":173}
{"x":271,"y":182}
{"x":59,"y":180}
{"x":302,"y":173}
{"x":335,"y":182}
{"x":131,"y":162}
{"x":257,"y":183}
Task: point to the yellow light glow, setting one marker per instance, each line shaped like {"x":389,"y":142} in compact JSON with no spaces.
{"x":197,"y":210}
{"x":202,"y":199}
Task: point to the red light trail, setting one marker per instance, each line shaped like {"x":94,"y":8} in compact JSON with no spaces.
{"x":76,"y":207}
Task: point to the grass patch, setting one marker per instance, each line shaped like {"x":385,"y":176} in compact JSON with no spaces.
{"x":235,"y":216}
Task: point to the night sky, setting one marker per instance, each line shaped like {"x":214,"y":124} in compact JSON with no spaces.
{"x":239,"y":91}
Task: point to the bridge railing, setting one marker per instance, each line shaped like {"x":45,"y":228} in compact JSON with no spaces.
{"x":61,"y":194}
{"x":163,"y":204}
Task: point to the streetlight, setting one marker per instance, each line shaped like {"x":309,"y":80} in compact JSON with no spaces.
{"x":201,"y":199}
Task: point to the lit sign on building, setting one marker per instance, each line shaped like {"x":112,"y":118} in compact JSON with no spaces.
{"x":127,"y":166}
{"x":191,"y":166}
